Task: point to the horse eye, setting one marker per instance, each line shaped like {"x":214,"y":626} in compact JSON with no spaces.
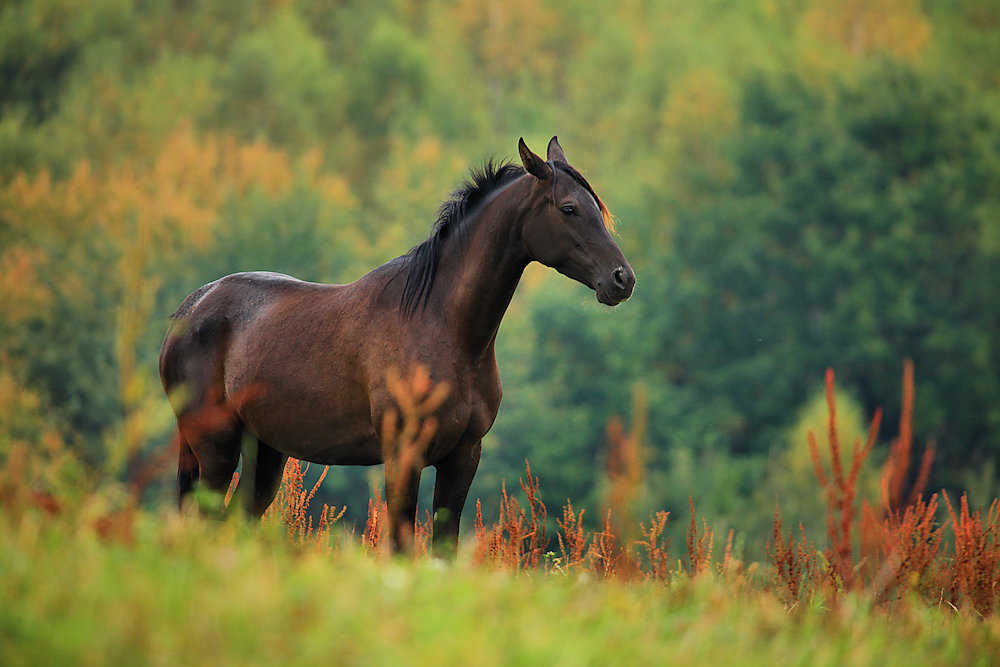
{"x":568,"y":210}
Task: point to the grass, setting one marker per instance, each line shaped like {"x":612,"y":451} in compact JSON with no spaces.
{"x":89,"y":577}
{"x":188,"y":591}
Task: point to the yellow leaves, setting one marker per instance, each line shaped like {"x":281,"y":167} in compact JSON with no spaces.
{"x":257,"y":164}
{"x":415,"y":167}
{"x":145,"y":210}
{"x":167,"y":203}
{"x":103,"y":236}
{"x":35,"y":205}
{"x":179,"y":188}
{"x":21,"y":415}
{"x":409,"y":188}
{"x":699,"y":115}
{"x":20,"y":290}
{"x":334,"y":188}
{"x":700,"y":109}
{"x":173,"y":202}
{"x":866,"y":27}
{"x":14,"y":398}
{"x":427,"y":151}
{"x":30,"y":192}
{"x":510,"y":36}
{"x":36,"y":210}
{"x":699,"y":101}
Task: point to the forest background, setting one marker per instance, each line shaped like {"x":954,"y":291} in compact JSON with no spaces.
{"x":799,"y":184}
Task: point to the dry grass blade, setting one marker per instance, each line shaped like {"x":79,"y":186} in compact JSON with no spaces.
{"x":795,"y":564}
{"x":840,"y":490}
{"x":699,"y":545}
{"x":655,"y":546}
{"x":572,"y":540}
{"x":976,"y":573}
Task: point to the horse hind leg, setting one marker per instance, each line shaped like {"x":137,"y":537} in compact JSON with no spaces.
{"x":210,"y":439}
{"x":192,"y":362}
{"x":188,"y":470}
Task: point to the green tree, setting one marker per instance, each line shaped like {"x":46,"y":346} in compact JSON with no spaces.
{"x":852,"y":234}
{"x":278,"y":85}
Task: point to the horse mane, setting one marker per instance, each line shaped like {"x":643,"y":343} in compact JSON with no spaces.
{"x":422,"y":260}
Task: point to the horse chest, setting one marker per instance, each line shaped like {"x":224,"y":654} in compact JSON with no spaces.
{"x":465,"y":418}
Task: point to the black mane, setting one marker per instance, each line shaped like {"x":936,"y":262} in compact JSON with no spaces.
{"x":422,"y":260}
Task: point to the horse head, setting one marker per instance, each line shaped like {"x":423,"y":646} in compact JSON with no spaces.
{"x":568,"y":227}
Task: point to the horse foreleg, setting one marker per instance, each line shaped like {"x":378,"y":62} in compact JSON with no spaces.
{"x":451,"y":488}
{"x":402,"y":483}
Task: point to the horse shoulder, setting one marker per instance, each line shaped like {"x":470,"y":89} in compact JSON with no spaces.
{"x":491,"y":389}
{"x":479,"y":393}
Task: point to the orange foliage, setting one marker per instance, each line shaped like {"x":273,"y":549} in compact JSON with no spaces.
{"x":902,"y":538}
{"x":108,"y":230}
{"x":572,"y":541}
{"x":148,"y":209}
{"x":795,"y":563}
{"x":624,"y":468}
{"x":376,"y":526}
{"x":605,"y":552}
{"x":976,"y":573}
{"x":840,"y":489}
{"x":897,"y":466}
{"x":902,"y":552}
{"x":699,"y":545}
{"x":407,"y":432}
{"x":908,"y":548}
{"x":291,"y":506}
{"x":518,"y":538}
{"x":23,"y":294}
{"x":901,"y":545}
{"x":657,"y":549}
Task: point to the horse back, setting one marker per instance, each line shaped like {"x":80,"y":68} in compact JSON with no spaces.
{"x":202,"y":325}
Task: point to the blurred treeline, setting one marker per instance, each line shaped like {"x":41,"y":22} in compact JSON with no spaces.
{"x":799,"y":184}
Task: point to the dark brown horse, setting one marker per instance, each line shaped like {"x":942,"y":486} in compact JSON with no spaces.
{"x":302,"y":367}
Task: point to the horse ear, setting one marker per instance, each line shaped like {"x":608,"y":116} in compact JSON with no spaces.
{"x":555,"y":151}
{"x":533,"y":164}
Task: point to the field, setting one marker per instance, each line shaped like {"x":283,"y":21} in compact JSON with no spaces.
{"x":182,"y":590}
{"x":92,"y":578}
{"x":797,"y":184}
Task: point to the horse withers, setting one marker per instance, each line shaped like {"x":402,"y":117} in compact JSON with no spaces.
{"x":302,"y":367}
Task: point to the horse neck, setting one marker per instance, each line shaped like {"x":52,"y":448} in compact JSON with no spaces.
{"x":481,"y":267}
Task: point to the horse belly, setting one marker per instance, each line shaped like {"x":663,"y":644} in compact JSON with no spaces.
{"x":311,"y":434}
{"x":304,"y":393}
{"x":322,"y":420}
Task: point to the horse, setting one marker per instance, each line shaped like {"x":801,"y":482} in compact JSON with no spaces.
{"x":301,"y":367}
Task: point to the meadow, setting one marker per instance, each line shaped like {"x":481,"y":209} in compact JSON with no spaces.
{"x":90,"y":576}
{"x":797,"y":183}
{"x":184,"y":591}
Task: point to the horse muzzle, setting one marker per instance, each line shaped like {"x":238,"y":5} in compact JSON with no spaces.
{"x":617,"y":287}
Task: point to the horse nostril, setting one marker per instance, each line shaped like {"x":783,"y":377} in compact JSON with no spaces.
{"x":619,"y":278}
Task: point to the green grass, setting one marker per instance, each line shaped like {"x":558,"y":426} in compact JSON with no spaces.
{"x":182,"y":590}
